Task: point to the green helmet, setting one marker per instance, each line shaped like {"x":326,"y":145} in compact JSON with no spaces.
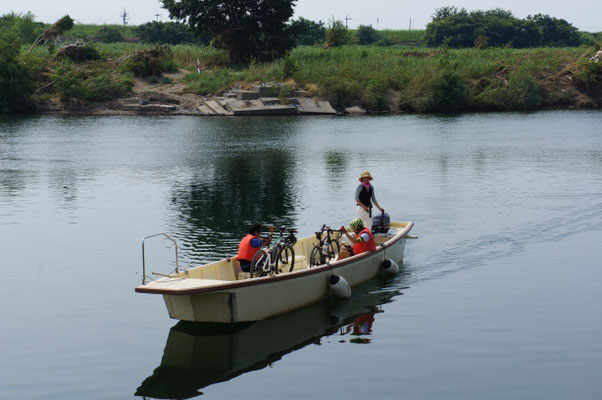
{"x":356,"y":223}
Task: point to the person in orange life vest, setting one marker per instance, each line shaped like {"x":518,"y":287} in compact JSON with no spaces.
{"x":363,"y":240}
{"x":251,"y":244}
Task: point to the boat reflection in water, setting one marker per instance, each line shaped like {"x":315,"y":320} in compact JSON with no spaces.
{"x":198,"y":354}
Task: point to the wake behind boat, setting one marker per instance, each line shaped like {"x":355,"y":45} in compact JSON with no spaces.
{"x":222,"y":292}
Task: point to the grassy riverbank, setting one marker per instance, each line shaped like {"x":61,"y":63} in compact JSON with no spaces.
{"x":426,"y":80}
{"x":379,"y":79}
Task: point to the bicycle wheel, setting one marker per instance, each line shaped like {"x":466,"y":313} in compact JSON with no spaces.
{"x":316,"y":257}
{"x":260,"y":265}
{"x":285,"y":258}
{"x":333,"y":250}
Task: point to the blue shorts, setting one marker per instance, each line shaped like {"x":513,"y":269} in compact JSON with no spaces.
{"x":245,"y":265}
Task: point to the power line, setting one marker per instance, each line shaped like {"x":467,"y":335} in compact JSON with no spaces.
{"x":347,"y":18}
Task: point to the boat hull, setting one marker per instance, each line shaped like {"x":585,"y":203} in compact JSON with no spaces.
{"x":270,"y":296}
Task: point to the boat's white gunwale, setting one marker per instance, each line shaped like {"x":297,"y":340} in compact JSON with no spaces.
{"x":280,"y":277}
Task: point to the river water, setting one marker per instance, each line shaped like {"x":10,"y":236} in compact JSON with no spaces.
{"x":499,"y":298}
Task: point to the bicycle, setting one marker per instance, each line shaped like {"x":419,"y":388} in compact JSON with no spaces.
{"x":275,"y":259}
{"x":327,"y":248}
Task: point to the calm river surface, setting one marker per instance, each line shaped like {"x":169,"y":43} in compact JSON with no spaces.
{"x":499,"y":298}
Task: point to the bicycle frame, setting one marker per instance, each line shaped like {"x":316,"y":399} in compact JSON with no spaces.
{"x":324,"y":245}
{"x":274,"y":250}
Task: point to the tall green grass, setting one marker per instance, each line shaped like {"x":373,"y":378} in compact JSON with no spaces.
{"x":380,"y":78}
{"x":372,"y":75}
{"x":185,"y":55}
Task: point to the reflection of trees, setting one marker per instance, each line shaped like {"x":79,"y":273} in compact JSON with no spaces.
{"x":11,"y":182}
{"x":12,"y":178}
{"x":217,"y":206}
{"x":335,"y":162}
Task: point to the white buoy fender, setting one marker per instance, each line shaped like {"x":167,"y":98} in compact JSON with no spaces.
{"x":339,"y":286}
{"x":390,"y":266}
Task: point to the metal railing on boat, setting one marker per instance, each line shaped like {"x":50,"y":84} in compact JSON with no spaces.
{"x":144,"y":276}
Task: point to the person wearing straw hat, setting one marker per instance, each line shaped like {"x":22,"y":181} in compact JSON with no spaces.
{"x":365,"y":198}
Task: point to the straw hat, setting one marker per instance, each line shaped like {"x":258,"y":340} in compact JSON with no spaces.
{"x":365,"y":174}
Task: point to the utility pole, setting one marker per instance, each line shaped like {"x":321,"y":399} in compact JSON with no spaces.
{"x":124,"y":16}
{"x":410,"y":23}
{"x":377,"y":23}
{"x":347,"y":18}
{"x":157,"y":15}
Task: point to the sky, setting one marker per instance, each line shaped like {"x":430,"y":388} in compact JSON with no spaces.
{"x":381,"y":14}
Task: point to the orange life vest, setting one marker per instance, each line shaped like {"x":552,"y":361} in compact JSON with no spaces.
{"x":362,"y":247}
{"x":245,"y":250}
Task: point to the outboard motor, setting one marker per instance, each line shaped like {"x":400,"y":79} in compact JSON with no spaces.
{"x":381,"y":223}
{"x":390,"y":266}
{"x":339,"y":286}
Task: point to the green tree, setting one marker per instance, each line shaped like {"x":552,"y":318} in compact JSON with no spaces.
{"x":16,"y":83}
{"x":459,"y":28}
{"x":247,"y":28}
{"x":308,"y":32}
{"x":451,"y":27}
{"x":556,"y":32}
{"x":165,"y":33}
{"x":23,"y":25}
{"x":337,"y":34}
{"x":366,"y":34}
{"x":108,"y":34}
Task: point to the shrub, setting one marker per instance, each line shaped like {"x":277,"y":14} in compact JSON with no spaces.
{"x":588,"y":79}
{"x":366,"y":34}
{"x":524,"y":90}
{"x":518,"y":92}
{"x":88,"y":85}
{"x":79,"y":52}
{"x":22,"y":25}
{"x":16,"y":83}
{"x":107,"y":34}
{"x":288,"y":66}
{"x":150,"y":62}
{"x":588,"y":74}
{"x":436,"y":89}
{"x":336,"y":35}
{"x":104,"y":87}
{"x":67,"y":83}
{"x":481,"y":42}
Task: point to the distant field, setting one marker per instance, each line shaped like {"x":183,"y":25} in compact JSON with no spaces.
{"x":403,"y":37}
{"x":80,"y":31}
{"x":400,"y":38}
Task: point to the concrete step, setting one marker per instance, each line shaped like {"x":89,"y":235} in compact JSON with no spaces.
{"x":310,"y":107}
{"x":246,"y":94}
{"x":355,"y":110}
{"x":256,"y":107}
{"x":216,"y":107}
{"x":204,"y":110}
{"x":269,"y":101}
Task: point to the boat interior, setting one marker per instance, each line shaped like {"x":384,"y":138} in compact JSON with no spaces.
{"x":229,"y":269}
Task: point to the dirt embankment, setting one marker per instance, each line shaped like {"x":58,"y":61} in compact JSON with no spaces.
{"x":165,"y":97}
